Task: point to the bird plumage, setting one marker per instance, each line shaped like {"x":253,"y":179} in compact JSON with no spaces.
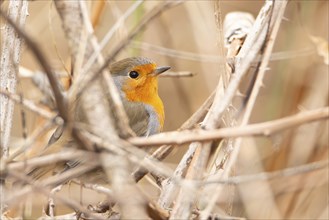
{"x":140,"y":99}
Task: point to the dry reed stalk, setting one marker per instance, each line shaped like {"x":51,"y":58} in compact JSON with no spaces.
{"x":10,"y":58}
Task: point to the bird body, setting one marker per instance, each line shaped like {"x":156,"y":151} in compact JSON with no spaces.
{"x":137,"y":83}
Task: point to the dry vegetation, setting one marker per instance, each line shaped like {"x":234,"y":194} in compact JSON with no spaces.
{"x":257,"y":89}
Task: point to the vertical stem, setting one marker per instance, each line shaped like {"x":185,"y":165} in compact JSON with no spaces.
{"x":9,"y":62}
{"x":278,"y":9}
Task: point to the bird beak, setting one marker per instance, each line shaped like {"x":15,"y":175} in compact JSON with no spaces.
{"x":160,"y":70}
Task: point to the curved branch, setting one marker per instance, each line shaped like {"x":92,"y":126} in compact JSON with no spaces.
{"x":44,"y":63}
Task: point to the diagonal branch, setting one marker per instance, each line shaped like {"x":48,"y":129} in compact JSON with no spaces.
{"x":260,"y":129}
{"x":163,"y":151}
{"x":44,"y":63}
{"x":156,"y":11}
{"x":30,"y":105}
{"x":306,"y":168}
{"x":274,"y":20}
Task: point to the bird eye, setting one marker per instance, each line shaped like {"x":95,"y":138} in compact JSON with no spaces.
{"x":133,"y":74}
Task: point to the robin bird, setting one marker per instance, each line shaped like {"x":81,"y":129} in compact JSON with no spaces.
{"x":137,"y":81}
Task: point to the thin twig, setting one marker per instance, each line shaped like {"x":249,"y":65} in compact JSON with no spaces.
{"x":69,"y":216}
{"x":109,"y":35}
{"x":126,"y":150}
{"x":41,"y":130}
{"x":260,"y":129}
{"x":51,"y":201}
{"x":41,"y":188}
{"x":95,"y":187}
{"x":131,"y":202}
{"x":293,"y":171}
{"x":30,"y":105}
{"x":178,"y":74}
{"x":185,"y":199}
{"x":248,"y":53}
{"x":168,"y":186}
{"x":185,"y":55}
{"x":274,"y":21}
{"x":123,"y":122}
{"x":163,"y":151}
{"x":176,"y":53}
{"x":50,"y":22}
{"x":155,"y":12}
{"x":49,"y":182}
{"x":46,"y":160}
{"x":44,"y":63}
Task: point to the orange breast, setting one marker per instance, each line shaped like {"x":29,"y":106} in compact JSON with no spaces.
{"x":147,"y":93}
